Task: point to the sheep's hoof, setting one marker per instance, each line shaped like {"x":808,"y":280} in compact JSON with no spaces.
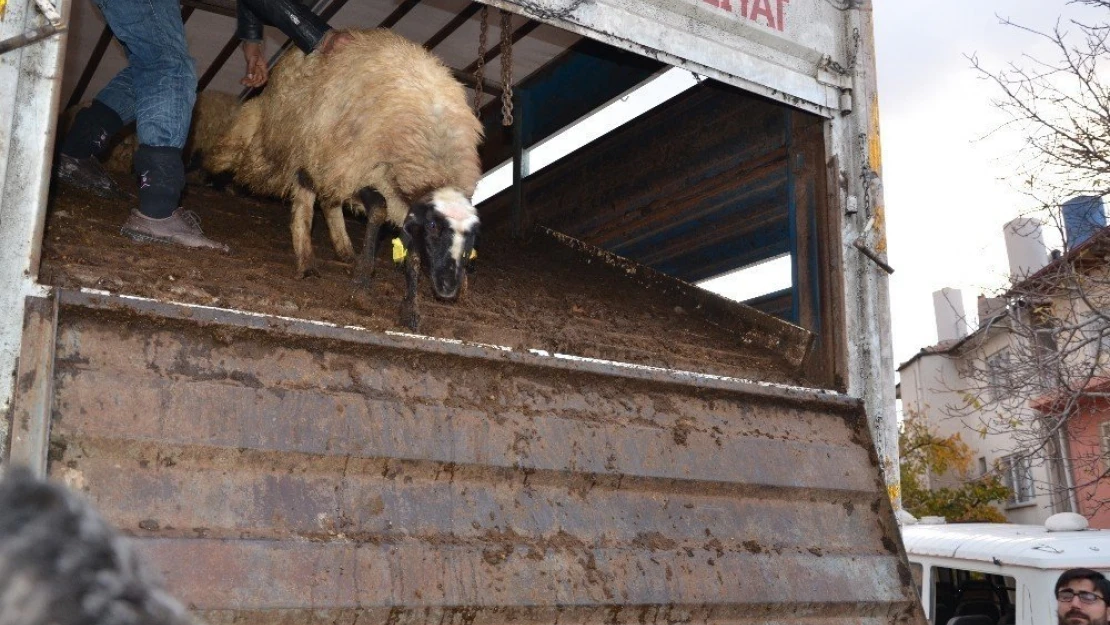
{"x":410,"y":318}
{"x":363,"y":274}
{"x":308,"y":272}
{"x":346,"y":255}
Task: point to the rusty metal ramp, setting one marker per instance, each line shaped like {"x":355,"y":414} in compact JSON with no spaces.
{"x":279,"y":471}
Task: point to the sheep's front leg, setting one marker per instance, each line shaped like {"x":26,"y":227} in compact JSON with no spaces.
{"x":301,"y":225}
{"x":337,"y":229}
{"x":364,"y":266}
{"x":410,"y":316}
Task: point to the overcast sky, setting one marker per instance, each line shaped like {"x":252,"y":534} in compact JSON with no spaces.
{"x":945,"y":201}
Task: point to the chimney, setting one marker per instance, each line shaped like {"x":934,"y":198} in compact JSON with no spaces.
{"x":990,"y":307}
{"x":1024,"y":247}
{"x":1083,"y":216}
{"x":948,"y":305}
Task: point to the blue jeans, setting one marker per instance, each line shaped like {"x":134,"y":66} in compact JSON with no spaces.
{"x":159,"y":86}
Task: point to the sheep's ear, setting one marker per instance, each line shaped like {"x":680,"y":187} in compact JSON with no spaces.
{"x":477,"y":232}
{"x":411,"y":228}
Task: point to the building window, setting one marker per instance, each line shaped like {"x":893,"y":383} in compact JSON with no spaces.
{"x":982,"y":466}
{"x":918,"y":572}
{"x":1104,"y":437}
{"x":1017,"y":475}
{"x":998,"y":372}
{"x":1097,"y":334}
{"x":1046,"y":355}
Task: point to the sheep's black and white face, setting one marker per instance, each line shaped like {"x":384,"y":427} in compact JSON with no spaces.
{"x":444,"y":225}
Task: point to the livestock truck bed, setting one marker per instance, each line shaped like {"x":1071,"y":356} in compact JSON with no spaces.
{"x":285,"y":473}
{"x":533,"y":294}
{"x":285,"y":455}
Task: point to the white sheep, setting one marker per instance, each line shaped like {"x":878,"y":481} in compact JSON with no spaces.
{"x":378,"y":116}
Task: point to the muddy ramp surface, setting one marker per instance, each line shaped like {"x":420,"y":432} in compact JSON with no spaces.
{"x":524,"y":295}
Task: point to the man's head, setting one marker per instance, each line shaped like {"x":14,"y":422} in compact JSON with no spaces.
{"x":1081,"y":596}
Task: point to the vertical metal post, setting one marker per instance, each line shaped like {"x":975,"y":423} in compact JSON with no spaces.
{"x":855,"y":137}
{"x":30,"y":82}
{"x":90,"y":67}
{"x":520,"y":164}
{"x":217,"y":63}
{"x":34,"y":399}
{"x":792,"y":216}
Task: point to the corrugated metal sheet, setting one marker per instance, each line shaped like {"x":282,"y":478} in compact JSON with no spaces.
{"x":308,"y":474}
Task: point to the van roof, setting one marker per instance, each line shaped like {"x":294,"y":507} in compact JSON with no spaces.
{"x":1003,"y":543}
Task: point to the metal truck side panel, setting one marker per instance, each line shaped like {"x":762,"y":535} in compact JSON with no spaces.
{"x":29,"y":81}
{"x":739,"y":42}
{"x":277,"y":476}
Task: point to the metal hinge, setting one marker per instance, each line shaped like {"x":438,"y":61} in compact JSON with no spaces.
{"x":833,"y":74}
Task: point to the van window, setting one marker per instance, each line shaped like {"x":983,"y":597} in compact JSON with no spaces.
{"x":959,"y":592}
{"x":916,"y":570}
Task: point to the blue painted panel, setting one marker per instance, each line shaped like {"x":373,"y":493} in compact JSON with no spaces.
{"x":587,"y":75}
{"x":696,"y":188}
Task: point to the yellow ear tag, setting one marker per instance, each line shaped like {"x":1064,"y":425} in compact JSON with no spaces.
{"x":398,"y":250}
{"x":473,"y":254}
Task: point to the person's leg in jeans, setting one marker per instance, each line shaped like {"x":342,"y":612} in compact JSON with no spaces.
{"x":157,"y":90}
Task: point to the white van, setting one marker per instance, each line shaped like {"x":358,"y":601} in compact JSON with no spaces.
{"x":1005,"y":573}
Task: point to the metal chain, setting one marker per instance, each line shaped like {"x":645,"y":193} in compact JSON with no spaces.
{"x":506,"y":68}
{"x":480,"y":71}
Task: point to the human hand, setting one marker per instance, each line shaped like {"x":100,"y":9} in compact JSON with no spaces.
{"x":332,"y":41}
{"x":257,"y":71}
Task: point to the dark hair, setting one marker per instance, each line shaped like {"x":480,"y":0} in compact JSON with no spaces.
{"x":77,"y":570}
{"x":1098,"y":579}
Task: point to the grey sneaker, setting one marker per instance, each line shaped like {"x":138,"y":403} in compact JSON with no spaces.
{"x":180,"y":228}
{"x":87,"y":174}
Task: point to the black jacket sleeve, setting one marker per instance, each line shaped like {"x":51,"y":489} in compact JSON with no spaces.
{"x":294,"y":19}
{"x":249,"y":25}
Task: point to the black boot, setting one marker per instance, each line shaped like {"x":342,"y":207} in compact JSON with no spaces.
{"x":93,"y":128}
{"x":161,"y":174}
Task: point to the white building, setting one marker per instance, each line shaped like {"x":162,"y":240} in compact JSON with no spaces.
{"x":956,"y":385}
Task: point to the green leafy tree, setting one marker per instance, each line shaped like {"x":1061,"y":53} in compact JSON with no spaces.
{"x":924,"y":455}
